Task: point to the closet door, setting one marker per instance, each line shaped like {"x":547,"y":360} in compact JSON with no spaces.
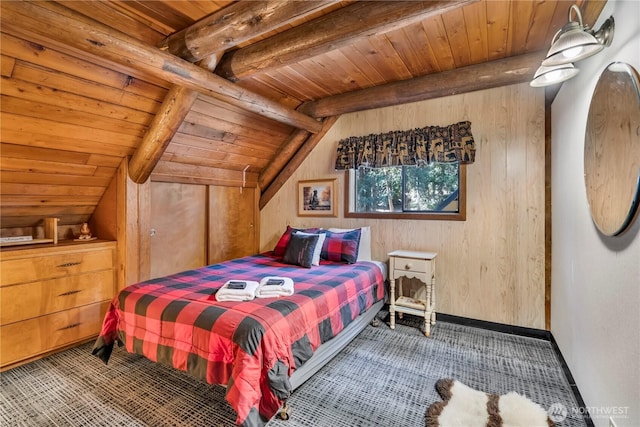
{"x":233,"y":223}
{"x":178,"y":227}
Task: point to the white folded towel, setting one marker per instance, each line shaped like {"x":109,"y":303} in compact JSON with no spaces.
{"x":272,"y":291}
{"x":246,"y":294}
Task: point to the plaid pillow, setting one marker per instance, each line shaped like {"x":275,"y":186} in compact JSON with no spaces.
{"x":281,"y":246}
{"x":341,"y":247}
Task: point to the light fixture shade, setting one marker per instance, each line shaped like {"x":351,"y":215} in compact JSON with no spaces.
{"x":547,"y":76}
{"x":576,"y":41}
{"x":573,"y":45}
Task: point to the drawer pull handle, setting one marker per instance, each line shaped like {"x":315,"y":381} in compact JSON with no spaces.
{"x":407,"y":267}
{"x":68,"y":264}
{"x":73,"y":325}
{"x":65,"y":294}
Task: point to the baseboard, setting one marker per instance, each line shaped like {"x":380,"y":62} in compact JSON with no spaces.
{"x":525,"y":332}
{"x":572,"y":383}
{"x":498,"y":327}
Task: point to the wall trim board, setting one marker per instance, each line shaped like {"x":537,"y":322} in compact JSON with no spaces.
{"x":495,"y":326}
{"x":572,"y":382}
{"x":547,"y":215}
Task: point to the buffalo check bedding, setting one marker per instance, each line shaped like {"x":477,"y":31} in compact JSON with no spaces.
{"x":252,"y":347}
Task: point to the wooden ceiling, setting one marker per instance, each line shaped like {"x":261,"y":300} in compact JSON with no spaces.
{"x":83,"y":81}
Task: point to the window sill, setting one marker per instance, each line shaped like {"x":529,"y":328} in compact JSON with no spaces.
{"x":440,"y":216}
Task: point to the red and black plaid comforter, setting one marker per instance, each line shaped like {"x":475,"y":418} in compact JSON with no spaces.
{"x":252,"y":347}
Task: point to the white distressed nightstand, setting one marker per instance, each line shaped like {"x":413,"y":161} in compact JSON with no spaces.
{"x":421,"y":266}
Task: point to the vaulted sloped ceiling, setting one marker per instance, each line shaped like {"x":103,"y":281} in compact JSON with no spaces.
{"x":86,"y":84}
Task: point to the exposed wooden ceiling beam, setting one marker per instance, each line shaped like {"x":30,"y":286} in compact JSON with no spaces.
{"x":203,"y":42}
{"x":282,"y":156}
{"x":76,"y":30}
{"x":235,"y":24}
{"x":328,"y":32}
{"x":166,"y":122}
{"x":295,"y":162}
{"x":503,"y":72}
{"x":175,"y":107}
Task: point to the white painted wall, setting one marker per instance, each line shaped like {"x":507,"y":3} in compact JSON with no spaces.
{"x":595,"y":304}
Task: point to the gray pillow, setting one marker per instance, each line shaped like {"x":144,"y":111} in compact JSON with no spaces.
{"x":300,"y":249}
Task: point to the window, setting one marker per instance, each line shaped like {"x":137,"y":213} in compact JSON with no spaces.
{"x":433,"y":191}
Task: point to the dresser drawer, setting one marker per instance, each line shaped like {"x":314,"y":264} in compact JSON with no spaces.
{"x":412,"y":264}
{"x":31,"y":269}
{"x":32,"y":337}
{"x":20,"y":302}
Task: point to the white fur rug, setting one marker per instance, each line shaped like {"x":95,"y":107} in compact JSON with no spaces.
{"x":463,"y":406}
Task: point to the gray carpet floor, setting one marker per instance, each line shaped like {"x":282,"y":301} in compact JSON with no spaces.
{"x":383,"y":378}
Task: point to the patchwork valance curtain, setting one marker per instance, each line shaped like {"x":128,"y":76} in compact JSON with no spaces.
{"x":449,"y":144}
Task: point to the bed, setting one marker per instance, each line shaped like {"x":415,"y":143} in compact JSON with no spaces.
{"x":260,"y":349}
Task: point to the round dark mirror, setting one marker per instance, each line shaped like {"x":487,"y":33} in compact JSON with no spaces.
{"x":612,"y":149}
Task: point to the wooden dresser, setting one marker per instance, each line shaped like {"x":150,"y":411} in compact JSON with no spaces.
{"x":52,"y":296}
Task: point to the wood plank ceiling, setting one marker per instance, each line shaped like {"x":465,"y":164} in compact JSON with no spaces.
{"x":72,"y":108}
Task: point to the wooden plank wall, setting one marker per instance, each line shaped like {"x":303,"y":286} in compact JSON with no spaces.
{"x":490,"y":267}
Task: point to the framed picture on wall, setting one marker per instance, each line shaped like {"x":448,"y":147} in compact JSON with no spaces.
{"x":317,"y":197}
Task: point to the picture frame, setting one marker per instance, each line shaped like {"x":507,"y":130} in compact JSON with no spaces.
{"x":317,"y":197}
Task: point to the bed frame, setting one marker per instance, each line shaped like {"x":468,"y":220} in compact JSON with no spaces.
{"x":329,"y":349}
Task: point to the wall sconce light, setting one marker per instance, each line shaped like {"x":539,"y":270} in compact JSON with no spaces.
{"x":572,"y":43}
{"x":546,"y":76}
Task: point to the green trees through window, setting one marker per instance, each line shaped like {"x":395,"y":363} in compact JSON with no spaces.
{"x":429,"y":189}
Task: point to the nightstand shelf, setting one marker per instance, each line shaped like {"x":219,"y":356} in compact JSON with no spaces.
{"x":413,"y":265}
{"x":416,"y":304}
